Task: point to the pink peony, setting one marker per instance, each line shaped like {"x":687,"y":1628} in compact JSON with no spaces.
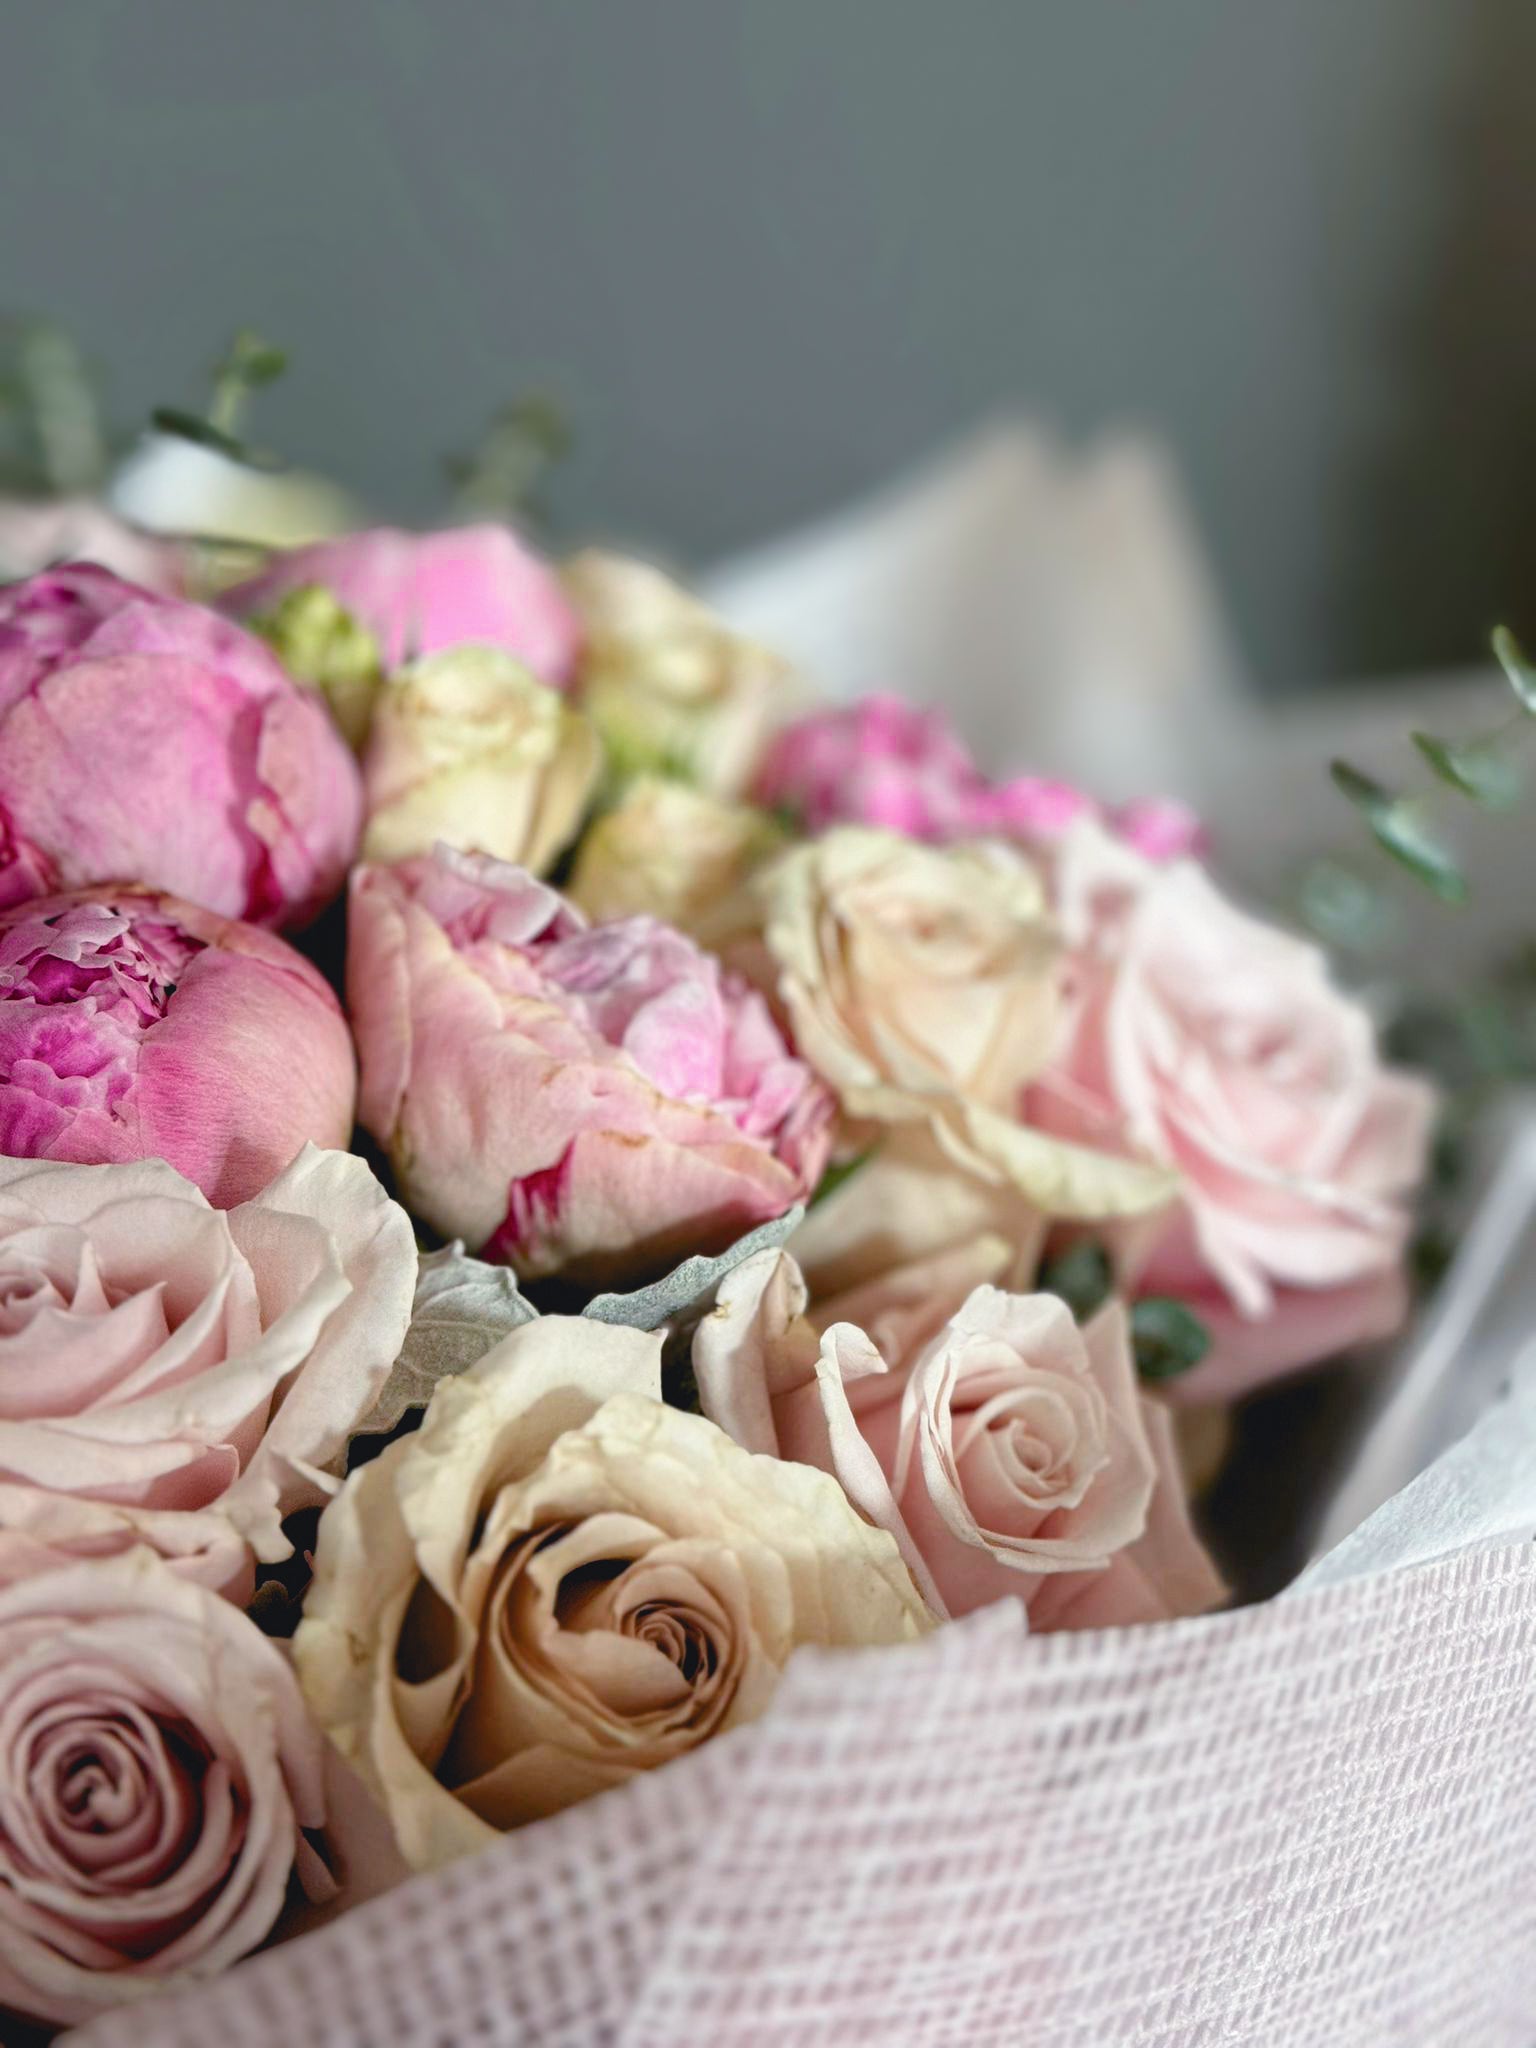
{"x":135,"y":1026}
{"x":596,"y":1100}
{"x":158,"y":1769}
{"x":1205,"y":1040}
{"x":147,"y":740}
{"x":417,"y":593}
{"x":181,"y":1376}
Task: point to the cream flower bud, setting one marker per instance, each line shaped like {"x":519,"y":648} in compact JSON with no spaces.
{"x":469,"y":748}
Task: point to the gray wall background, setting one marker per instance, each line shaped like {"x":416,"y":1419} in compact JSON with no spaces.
{"x":769,"y":249}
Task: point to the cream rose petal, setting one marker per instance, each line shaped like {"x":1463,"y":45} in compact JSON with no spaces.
{"x":412,"y":1569}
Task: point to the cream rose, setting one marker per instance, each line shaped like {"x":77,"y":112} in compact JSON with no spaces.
{"x":156,"y":1770}
{"x":913,"y":972}
{"x":559,"y":1582}
{"x":1004,"y":1449}
{"x":671,"y":851}
{"x":470,"y":748}
{"x":182,"y":1376}
{"x":667,"y":683}
{"x":1215,"y":1044}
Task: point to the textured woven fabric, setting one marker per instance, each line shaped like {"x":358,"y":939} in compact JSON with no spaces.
{"x":1312,"y":1822}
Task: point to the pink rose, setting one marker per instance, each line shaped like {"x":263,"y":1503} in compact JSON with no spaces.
{"x":1008,"y":1451}
{"x":880,"y":761}
{"x":182,"y":1376}
{"x":1215,"y":1044}
{"x":134,"y":1026}
{"x":590,"y":1099}
{"x":144,"y":740}
{"x":158,"y":1768}
{"x":417,"y":593}
{"x":36,"y":533}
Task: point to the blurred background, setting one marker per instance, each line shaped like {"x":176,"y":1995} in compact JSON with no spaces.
{"x":769,"y":251}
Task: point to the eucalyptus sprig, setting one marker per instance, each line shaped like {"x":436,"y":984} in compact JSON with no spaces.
{"x":53,"y":438}
{"x":1483,"y":769}
{"x":247,"y":366}
{"x":505,"y":477}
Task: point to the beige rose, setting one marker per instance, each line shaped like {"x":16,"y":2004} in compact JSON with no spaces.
{"x":559,"y":1582}
{"x":671,"y":851}
{"x":469,"y":748}
{"x":913,"y":972}
{"x":667,"y":683}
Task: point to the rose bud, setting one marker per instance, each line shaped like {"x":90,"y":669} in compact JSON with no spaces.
{"x":470,"y":748}
{"x":597,"y":1100}
{"x":419,"y":592}
{"x":143,"y":739}
{"x":667,"y":683}
{"x":159,"y":1770}
{"x":135,"y":1026}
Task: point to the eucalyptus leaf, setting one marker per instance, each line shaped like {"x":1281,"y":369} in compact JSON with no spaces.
{"x":1167,"y":1337}
{"x":1483,"y":770}
{"x":692,"y":1284}
{"x":1513,"y":661}
{"x":1401,"y":833}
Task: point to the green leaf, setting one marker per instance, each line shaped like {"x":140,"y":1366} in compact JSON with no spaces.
{"x":1522,"y":676}
{"x":1081,"y":1275}
{"x":841,"y":1170}
{"x":1401,"y":835}
{"x":1168,"y":1338}
{"x":1482,"y":769}
{"x":250,"y":362}
{"x":1399,"y":832}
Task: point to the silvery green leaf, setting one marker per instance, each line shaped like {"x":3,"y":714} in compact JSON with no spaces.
{"x":689,"y":1285}
{"x":463,"y":1307}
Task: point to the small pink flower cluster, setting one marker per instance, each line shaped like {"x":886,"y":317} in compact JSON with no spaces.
{"x":884,"y":762}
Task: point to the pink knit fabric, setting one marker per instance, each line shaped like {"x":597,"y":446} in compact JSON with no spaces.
{"x":1310,"y":1823}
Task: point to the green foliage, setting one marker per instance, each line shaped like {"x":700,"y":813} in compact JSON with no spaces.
{"x":1399,"y":830}
{"x":1081,"y":1275}
{"x":1167,"y":1336}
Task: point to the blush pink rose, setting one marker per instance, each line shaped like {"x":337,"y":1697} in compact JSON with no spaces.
{"x":595,"y":1100}
{"x":1208,"y":1041}
{"x":418,"y":593}
{"x":134,"y":1026}
{"x":158,"y":1772}
{"x":182,"y":1376}
{"x":1008,"y":1451}
{"x":146,"y":740}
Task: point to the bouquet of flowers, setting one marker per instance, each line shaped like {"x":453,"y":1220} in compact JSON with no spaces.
{"x":806,"y":1191}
